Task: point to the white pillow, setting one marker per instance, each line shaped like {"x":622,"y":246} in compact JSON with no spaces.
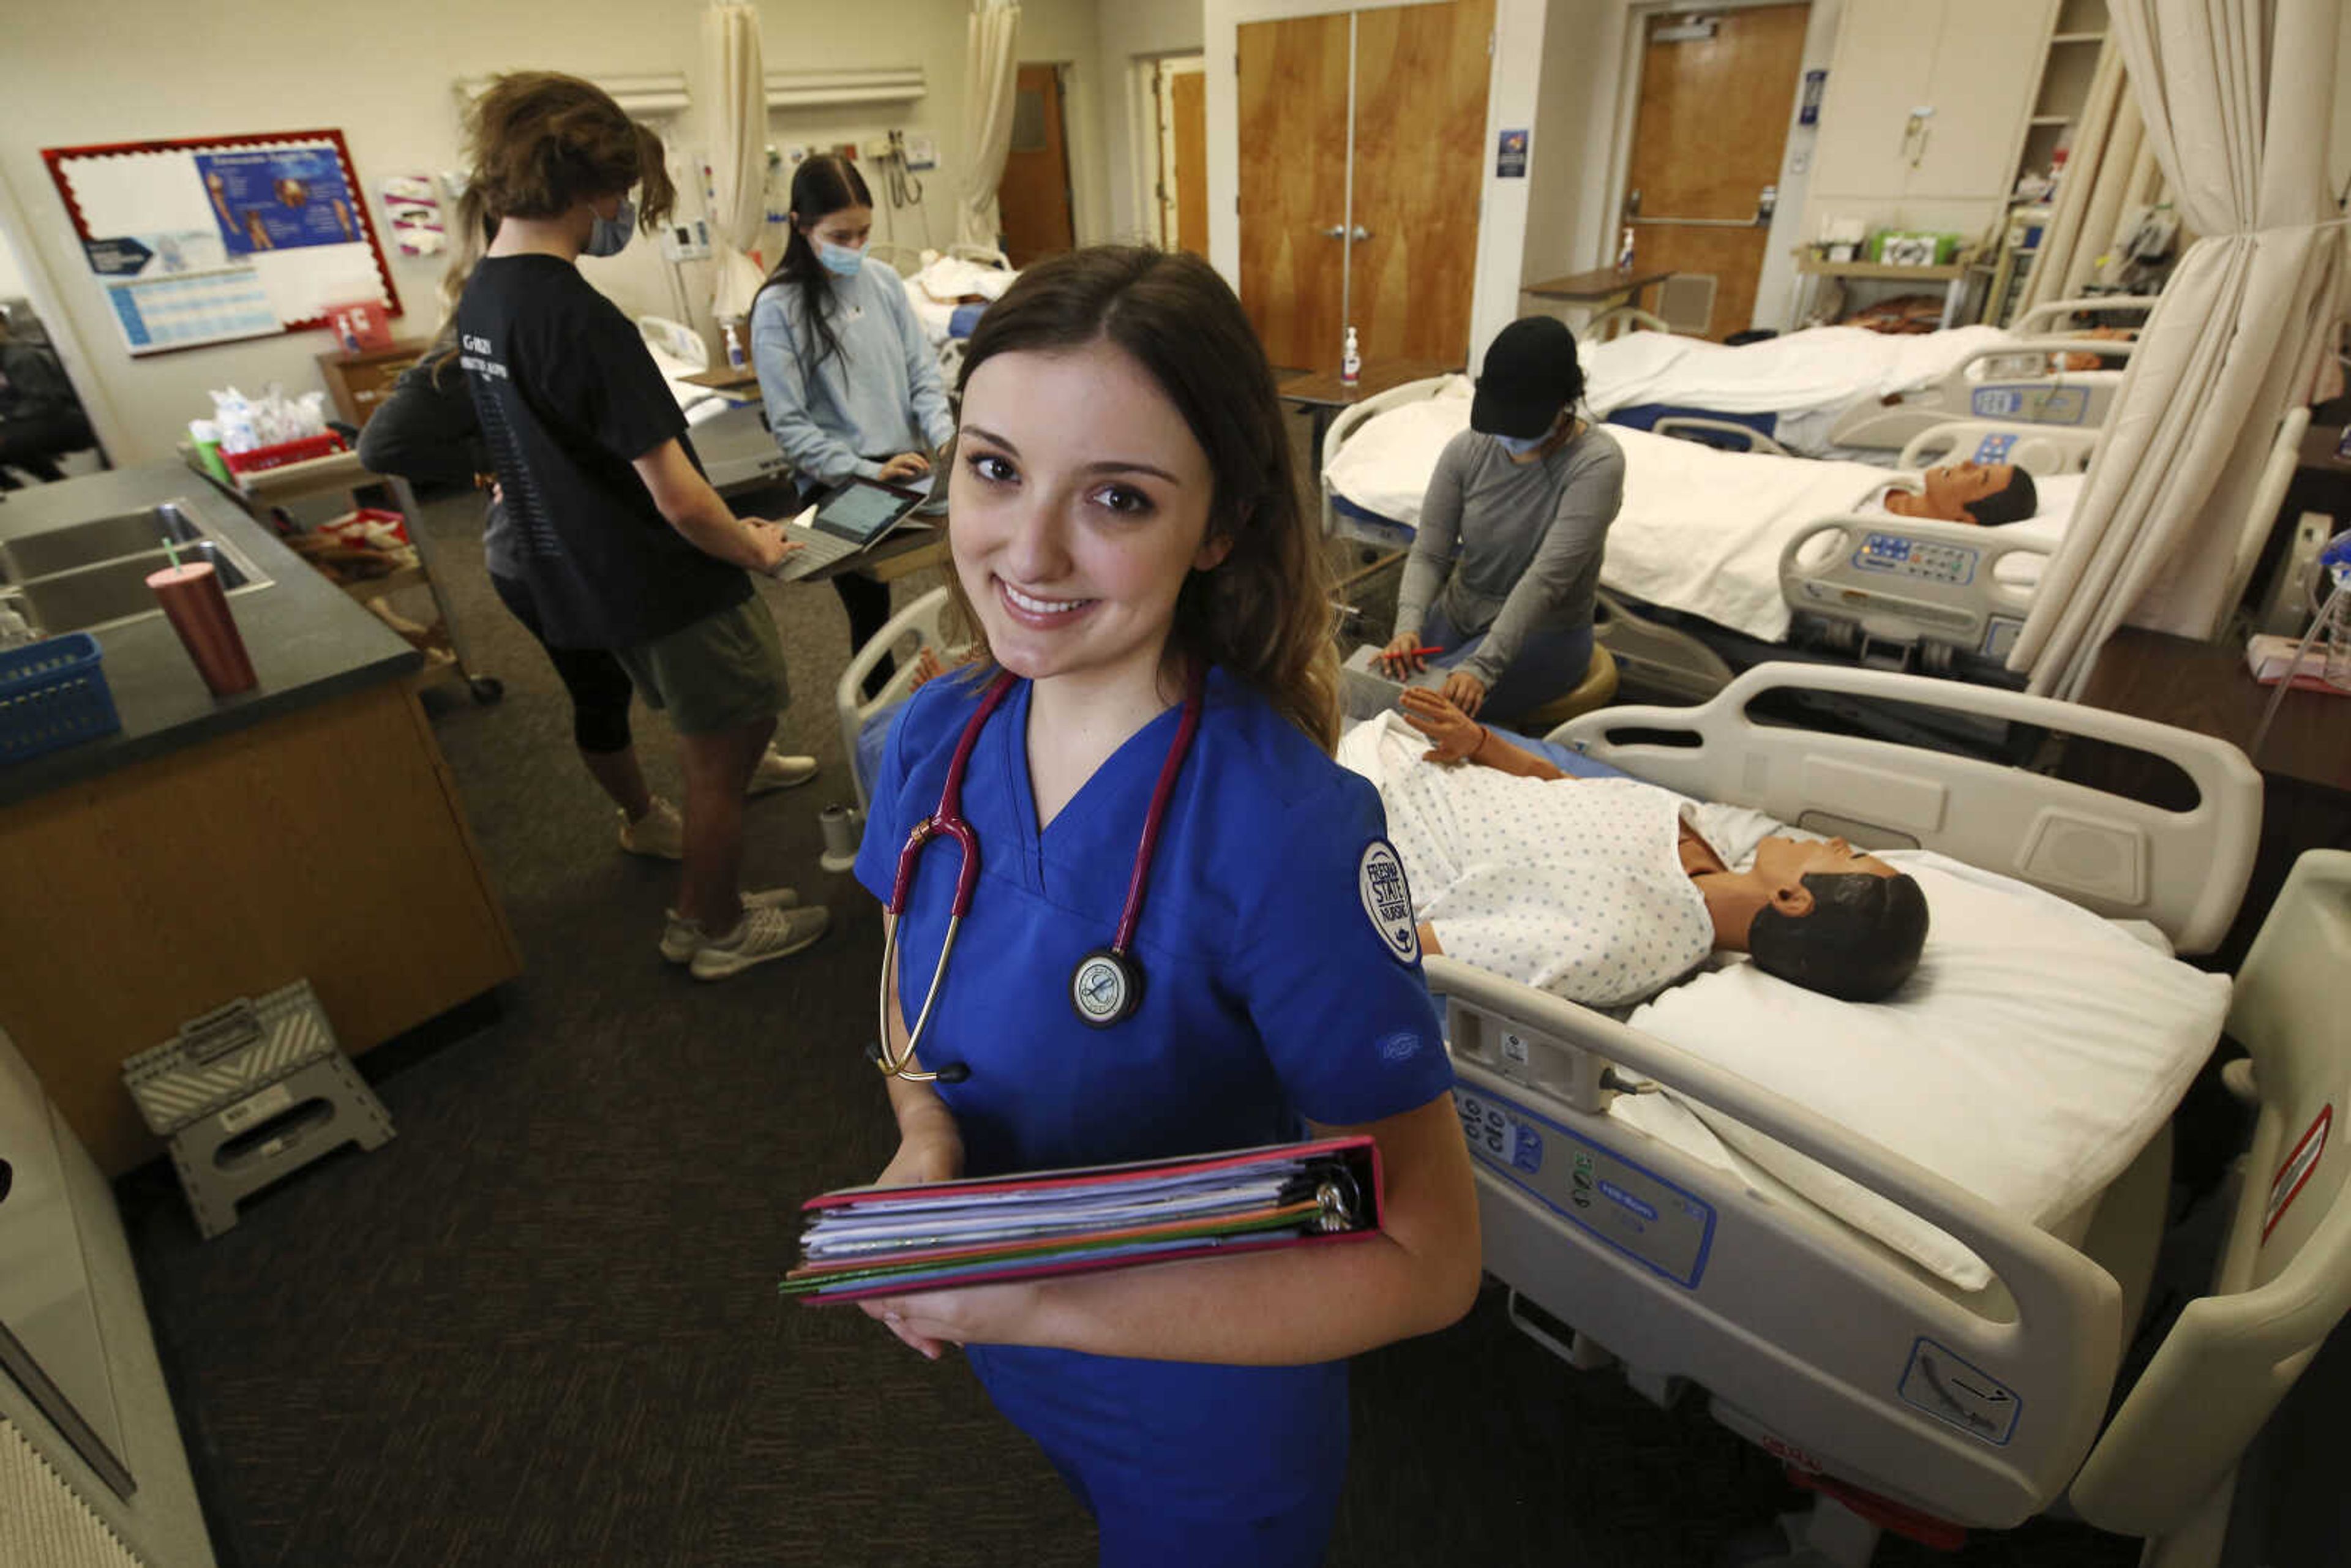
{"x":2035,"y":1051}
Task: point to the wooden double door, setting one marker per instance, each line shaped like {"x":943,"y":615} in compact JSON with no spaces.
{"x":1362,"y":165}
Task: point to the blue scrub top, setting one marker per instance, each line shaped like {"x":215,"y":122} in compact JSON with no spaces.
{"x":1273,"y":988}
{"x":1282,"y":982}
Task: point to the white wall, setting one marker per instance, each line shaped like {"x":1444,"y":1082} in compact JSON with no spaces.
{"x":1510,"y":101}
{"x":140,"y":68}
{"x":1136,"y":30}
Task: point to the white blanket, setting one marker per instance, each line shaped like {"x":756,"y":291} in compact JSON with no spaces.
{"x":1819,"y":368}
{"x":1700,"y":530}
{"x":937,"y":291}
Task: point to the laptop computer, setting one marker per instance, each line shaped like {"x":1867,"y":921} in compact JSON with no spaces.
{"x":853,"y":518}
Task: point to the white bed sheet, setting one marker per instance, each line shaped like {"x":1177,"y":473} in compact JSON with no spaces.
{"x":1818,"y":367}
{"x":1700,"y":530}
{"x":2032,"y":1056}
{"x":937,"y":290}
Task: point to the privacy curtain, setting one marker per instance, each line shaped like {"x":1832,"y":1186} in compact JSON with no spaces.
{"x":993,"y":63}
{"x":2237,"y":96}
{"x":2108,"y":171}
{"x":736,"y":88}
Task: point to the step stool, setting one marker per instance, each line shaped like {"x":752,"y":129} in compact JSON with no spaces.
{"x":242,"y":1067}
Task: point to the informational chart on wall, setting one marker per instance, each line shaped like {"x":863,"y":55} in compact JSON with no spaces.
{"x":219,"y":238}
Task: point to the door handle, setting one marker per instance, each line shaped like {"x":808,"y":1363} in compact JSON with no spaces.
{"x":1362,"y":232}
{"x":1336,"y":231}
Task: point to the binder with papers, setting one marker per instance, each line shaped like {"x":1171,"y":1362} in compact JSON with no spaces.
{"x":875,"y":1241}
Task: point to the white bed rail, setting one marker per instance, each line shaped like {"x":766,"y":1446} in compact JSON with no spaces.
{"x":2183,"y":870}
{"x":2039,"y":450}
{"x":2284,"y":1281}
{"x":1343,"y":430}
{"x":1740,"y":1313}
{"x":1697,"y":427}
{"x":921,"y":624}
{"x":2056,"y":311}
{"x":1619,"y":320}
{"x":1910,"y":582}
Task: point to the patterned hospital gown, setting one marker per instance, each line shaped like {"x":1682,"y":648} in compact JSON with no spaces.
{"x":1574,"y":885}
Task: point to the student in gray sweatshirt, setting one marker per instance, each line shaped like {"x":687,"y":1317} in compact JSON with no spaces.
{"x":1507,"y":557}
{"x":851,"y":383}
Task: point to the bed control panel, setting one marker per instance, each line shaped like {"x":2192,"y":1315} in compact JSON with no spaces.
{"x":1915,"y":559}
{"x":1628,"y":1206}
{"x":2035,"y":402}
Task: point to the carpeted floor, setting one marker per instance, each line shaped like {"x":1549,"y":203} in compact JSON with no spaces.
{"x":541,"y":1327}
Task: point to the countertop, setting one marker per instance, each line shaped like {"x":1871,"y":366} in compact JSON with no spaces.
{"x":309,"y":641}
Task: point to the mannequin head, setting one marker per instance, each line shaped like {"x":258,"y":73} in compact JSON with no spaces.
{"x":1821,"y":916}
{"x":1988,"y":494}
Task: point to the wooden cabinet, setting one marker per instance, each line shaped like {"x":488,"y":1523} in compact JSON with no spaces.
{"x":359,"y":381}
{"x":1927,"y":102}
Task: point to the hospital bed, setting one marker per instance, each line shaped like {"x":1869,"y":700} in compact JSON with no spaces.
{"x":1722,"y":560}
{"x":1904,"y":1399}
{"x":938,"y":287}
{"x":1847,"y":392}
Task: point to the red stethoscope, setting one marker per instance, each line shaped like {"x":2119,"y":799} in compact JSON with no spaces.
{"x":1106,"y":988}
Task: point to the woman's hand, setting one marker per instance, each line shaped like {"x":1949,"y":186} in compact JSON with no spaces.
{"x":1403,"y":656}
{"x":988,"y":1314}
{"x":1455,"y":735}
{"x":905,"y":465}
{"x":931,"y":1153}
{"x":1466,"y":691}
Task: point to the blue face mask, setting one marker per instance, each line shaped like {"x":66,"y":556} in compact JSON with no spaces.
{"x":1519,"y":446}
{"x":611,"y":235}
{"x":844,"y":261}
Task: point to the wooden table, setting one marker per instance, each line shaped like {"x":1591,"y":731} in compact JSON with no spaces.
{"x":2305,"y":761}
{"x":1322,"y":393}
{"x":1603,"y":286}
{"x":725,"y":378}
{"x":1954,"y":279}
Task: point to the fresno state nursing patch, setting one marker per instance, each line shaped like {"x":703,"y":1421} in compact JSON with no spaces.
{"x":1388,"y":901}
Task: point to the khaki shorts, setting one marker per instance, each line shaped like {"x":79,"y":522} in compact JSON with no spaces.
{"x":721,"y":672}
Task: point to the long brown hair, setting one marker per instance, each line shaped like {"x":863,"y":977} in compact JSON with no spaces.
{"x":822,"y":185}
{"x":1264,"y":612}
{"x":537,"y":143}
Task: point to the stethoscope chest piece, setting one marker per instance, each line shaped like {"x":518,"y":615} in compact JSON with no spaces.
{"x":1106,"y":988}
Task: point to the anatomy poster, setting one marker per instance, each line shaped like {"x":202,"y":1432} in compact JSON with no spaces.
{"x":278,"y":199}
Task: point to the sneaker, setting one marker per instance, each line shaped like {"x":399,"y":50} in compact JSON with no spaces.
{"x":660,"y":833}
{"x":777,"y":771}
{"x":764,"y":934}
{"x":682,"y":938}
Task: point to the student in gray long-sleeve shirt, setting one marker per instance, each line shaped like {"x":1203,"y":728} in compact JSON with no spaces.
{"x":1507,"y":558}
{"x":851,"y":383}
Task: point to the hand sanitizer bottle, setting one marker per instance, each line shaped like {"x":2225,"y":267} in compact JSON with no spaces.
{"x":734,"y":347}
{"x":1350,"y":360}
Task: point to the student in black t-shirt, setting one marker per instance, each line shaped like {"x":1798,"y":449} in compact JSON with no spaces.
{"x":621,"y":540}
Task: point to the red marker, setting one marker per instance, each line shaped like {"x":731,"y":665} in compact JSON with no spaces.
{"x":1412,"y":652}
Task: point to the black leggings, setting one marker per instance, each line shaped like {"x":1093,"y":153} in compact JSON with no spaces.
{"x":868,"y":603}
{"x":599,"y":689}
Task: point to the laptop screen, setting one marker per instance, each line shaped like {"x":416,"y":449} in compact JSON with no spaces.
{"x":860,"y":511}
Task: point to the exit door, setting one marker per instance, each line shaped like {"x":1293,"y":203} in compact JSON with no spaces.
{"x":1716,"y":94}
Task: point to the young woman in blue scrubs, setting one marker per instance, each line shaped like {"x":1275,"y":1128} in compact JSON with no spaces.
{"x":1124,"y":521}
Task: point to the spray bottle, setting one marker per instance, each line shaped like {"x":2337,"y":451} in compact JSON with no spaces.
{"x":1350,"y":360}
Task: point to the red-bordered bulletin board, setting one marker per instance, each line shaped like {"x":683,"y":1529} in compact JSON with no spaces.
{"x":218,"y":238}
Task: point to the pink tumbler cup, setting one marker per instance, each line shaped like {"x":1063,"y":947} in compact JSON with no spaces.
{"x":192,"y":600}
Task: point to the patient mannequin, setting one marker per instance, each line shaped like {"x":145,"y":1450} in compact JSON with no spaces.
{"x":1988,"y":494}
{"x":1497,"y":843}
